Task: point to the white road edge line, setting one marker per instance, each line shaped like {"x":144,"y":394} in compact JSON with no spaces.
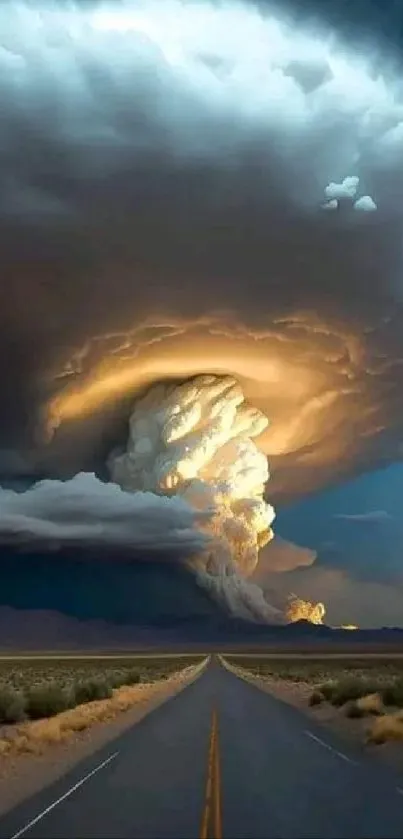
{"x":329,"y":748}
{"x":63,"y":797}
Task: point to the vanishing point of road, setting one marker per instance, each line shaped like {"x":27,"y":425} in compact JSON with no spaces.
{"x":222,"y":760}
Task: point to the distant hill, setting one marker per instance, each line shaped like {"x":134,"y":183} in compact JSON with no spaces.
{"x":45,"y":630}
{"x":70,"y":602}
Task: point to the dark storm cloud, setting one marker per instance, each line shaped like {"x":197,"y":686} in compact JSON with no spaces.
{"x":87,"y":587}
{"x":144,"y":176}
{"x":158,"y":173}
{"x":372,"y":22}
{"x":88,"y":512}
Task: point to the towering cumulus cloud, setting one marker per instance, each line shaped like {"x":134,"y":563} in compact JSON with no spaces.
{"x":196,"y":440}
{"x":189,"y":484}
{"x":299,"y":609}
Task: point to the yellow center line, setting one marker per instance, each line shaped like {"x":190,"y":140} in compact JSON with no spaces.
{"x":212,"y":805}
{"x":217,"y":798}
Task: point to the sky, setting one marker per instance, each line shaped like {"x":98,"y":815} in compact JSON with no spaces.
{"x":199,"y":189}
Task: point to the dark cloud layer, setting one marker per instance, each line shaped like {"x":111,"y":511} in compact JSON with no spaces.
{"x":162,"y":215}
{"x":92,"y":588}
{"x":161,"y":185}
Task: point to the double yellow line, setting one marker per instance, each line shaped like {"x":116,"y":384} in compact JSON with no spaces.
{"x":211,"y":825}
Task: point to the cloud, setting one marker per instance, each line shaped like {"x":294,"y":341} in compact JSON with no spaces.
{"x":189,"y":482}
{"x":346,"y":189}
{"x":365,"y":204}
{"x":162,"y":217}
{"x":197,"y":440}
{"x":95,"y":584}
{"x":345,"y":193}
{"x":281,"y":555}
{"x":366,"y":603}
{"x":85,"y":511}
{"x":331,"y":205}
{"x":15,"y":463}
{"x":371,"y":517}
{"x":248,"y":276}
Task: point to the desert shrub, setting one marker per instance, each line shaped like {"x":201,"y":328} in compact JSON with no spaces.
{"x":12,"y":705}
{"x":282,"y":673}
{"x":298,"y":675}
{"x":370,"y":704}
{"x":47,"y":700}
{"x":116,"y":680}
{"x":88,"y":690}
{"x":132,"y":677}
{"x":392,"y":693}
{"x":350,"y":688}
{"x":327,"y":690}
{"x":387,"y":727}
{"x":316,"y":697}
{"x":353,"y":711}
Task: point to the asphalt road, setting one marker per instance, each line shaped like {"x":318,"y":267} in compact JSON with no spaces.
{"x":223,"y":760}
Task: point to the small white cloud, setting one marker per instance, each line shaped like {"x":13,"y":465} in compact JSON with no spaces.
{"x":366,"y":204}
{"x":345,"y":189}
{"x":373,"y":516}
{"x":331,"y":205}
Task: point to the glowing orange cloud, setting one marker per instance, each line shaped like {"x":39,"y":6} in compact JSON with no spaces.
{"x":299,"y":609}
{"x":305,"y":376}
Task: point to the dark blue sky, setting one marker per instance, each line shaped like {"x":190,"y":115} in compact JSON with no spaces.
{"x":357,"y":525}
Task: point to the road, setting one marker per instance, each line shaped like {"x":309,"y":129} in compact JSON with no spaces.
{"x":222,"y":760}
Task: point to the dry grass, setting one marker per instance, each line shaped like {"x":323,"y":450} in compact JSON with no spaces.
{"x":365,"y":706}
{"x":321,"y":669}
{"x":35,"y":736}
{"x":371,"y":704}
{"x":24,"y":674}
{"x":361,"y":686}
{"x":386,"y":728}
{"x":41,"y":688}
